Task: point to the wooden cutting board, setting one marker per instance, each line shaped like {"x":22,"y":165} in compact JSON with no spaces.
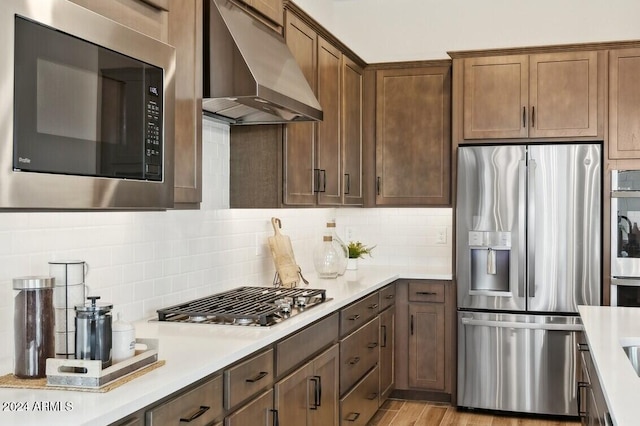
{"x":283,"y":257}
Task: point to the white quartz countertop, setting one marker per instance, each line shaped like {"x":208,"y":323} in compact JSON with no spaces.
{"x":606,"y":328}
{"x":191,"y":352}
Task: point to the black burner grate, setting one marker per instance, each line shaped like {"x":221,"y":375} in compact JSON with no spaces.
{"x":242,"y":305}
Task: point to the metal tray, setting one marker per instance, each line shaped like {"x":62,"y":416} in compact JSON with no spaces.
{"x":90,"y":374}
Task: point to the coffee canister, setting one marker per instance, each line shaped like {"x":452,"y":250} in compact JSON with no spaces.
{"x":93,"y":331}
{"x":34,"y":325}
{"x":124,"y":340}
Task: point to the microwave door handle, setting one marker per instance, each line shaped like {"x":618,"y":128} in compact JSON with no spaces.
{"x":522,"y":168}
{"x":531,"y":223}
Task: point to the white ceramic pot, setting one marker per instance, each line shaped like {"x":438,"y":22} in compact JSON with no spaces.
{"x":352,"y":264}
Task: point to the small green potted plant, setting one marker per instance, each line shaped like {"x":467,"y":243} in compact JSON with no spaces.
{"x":357,"y":250}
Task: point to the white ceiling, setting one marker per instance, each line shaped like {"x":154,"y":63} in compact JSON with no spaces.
{"x":402,"y":30}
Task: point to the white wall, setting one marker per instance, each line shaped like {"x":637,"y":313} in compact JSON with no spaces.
{"x":399,"y":30}
{"x":146,"y":260}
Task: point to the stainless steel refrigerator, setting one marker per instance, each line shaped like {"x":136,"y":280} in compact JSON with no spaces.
{"x":528,"y":252}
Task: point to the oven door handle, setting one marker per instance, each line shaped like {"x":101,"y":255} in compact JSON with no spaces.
{"x":516,"y":324}
{"x":631,"y":281}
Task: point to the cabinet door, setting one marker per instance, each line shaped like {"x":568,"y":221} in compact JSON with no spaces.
{"x":351,"y":135}
{"x":299,"y":144}
{"x":387,"y":361}
{"x":294,"y":395}
{"x":272,"y":9}
{"x":328,"y":130}
{"x":563,"y":94}
{"x":326,"y":375}
{"x":413,"y":144}
{"x":624,"y":103}
{"x":496,"y":97}
{"x":309,"y":395}
{"x":258,"y":412}
{"x":427,"y":346}
{"x":185,"y":34}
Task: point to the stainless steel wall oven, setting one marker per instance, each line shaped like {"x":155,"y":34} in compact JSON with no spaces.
{"x":625,"y":238}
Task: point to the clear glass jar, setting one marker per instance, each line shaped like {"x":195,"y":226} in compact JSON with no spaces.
{"x":34,"y":325}
{"x":326,"y":258}
{"x":340,"y":246}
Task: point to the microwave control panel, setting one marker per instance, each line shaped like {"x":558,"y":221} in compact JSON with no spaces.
{"x":153,"y":140}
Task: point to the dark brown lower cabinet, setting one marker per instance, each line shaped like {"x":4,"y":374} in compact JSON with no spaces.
{"x":423,"y":339}
{"x":426,"y":346}
{"x":361,"y":402}
{"x":257,"y":412}
{"x":309,"y":395}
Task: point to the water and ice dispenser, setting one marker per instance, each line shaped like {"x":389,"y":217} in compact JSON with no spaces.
{"x":490,"y":253}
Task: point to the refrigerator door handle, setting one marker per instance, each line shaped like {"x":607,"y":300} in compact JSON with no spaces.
{"x":522,"y":253}
{"x":517,"y":324}
{"x":531,"y":223}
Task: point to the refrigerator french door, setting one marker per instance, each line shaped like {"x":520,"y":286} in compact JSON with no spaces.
{"x":528,"y":226}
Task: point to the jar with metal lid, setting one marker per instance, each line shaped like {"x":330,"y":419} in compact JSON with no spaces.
{"x":34,"y":325}
{"x":93,"y":331}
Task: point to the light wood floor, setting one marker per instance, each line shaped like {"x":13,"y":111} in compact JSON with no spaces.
{"x":396,"y":412}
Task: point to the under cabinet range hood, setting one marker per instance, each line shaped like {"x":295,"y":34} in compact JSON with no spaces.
{"x":250,"y":75}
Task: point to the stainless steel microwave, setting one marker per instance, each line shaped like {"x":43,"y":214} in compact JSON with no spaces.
{"x":87,"y":107}
{"x":625,"y":223}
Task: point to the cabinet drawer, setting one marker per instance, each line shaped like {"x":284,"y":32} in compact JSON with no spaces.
{"x":359,"y":352}
{"x":387,"y":296}
{"x":248,"y":378}
{"x":426,"y":291}
{"x":359,"y":405}
{"x":258,"y":412}
{"x":357,"y":314}
{"x":299,"y":347}
{"x":203,"y":405}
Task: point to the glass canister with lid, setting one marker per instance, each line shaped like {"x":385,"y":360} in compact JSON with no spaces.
{"x":34,"y":325}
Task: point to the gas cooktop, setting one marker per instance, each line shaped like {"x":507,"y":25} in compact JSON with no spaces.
{"x":256,"y":306}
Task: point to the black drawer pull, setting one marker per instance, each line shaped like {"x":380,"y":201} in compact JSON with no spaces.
{"x":384,"y":336}
{"x":276,"y":418}
{"x":352,"y":417}
{"x":354,"y":361}
{"x":354,"y":317}
{"x":411,"y":325}
{"x":372,"y":345}
{"x":203,"y":409}
{"x":372,"y":396}
{"x":317,"y":392}
{"x":583,"y":347}
{"x":389,"y":296}
{"x":427,"y":293}
{"x":260,"y":376}
{"x":373,"y":306}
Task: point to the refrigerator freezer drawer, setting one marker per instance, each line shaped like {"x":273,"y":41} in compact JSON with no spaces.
{"x":519,"y":363}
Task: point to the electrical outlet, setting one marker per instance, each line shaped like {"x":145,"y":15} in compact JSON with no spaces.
{"x":441,"y":236}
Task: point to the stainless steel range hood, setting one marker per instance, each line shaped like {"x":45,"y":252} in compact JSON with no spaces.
{"x":250,"y":75}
